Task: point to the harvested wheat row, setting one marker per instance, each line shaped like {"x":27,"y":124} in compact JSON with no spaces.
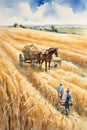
{"x":73,"y":78}
{"x":58,"y":38}
{"x":68,"y":66}
{"x":74,"y":57}
{"x":43,"y":85}
{"x":12,"y":52}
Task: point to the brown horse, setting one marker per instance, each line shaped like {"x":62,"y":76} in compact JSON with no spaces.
{"x":47,"y":56}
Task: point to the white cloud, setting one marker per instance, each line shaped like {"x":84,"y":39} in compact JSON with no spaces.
{"x":37,"y":17}
{"x":7,"y":16}
{"x":27,"y":12}
{"x":67,"y":16}
{"x":25,"y":15}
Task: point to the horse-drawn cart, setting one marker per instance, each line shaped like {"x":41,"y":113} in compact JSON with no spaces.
{"x":28,"y":55}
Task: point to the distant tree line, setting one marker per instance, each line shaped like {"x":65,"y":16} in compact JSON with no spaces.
{"x":17,"y":25}
{"x":54,"y":29}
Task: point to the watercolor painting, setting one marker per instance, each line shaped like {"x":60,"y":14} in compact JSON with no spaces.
{"x":43,"y":65}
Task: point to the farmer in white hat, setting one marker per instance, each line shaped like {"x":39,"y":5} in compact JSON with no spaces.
{"x":60,"y":91}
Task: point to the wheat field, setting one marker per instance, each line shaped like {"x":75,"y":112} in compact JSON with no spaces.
{"x":28,"y":95}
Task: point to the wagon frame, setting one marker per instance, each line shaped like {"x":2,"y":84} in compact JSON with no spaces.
{"x":28,"y":57}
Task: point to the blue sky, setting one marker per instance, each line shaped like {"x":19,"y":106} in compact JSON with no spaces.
{"x":43,"y":12}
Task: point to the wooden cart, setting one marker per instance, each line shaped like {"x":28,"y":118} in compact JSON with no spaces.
{"x":28,"y":55}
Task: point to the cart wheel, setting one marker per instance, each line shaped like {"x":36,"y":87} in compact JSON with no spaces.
{"x":20,"y":60}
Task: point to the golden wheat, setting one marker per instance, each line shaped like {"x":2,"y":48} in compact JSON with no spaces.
{"x":27,"y":95}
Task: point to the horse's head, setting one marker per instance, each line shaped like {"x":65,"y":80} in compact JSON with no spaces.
{"x":56,"y":51}
{"x":52,"y":51}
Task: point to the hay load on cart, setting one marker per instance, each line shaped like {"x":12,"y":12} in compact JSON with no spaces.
{"x":29,"y":54}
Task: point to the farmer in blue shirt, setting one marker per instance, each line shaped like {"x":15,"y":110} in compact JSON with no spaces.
{"x":67,"y":101}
